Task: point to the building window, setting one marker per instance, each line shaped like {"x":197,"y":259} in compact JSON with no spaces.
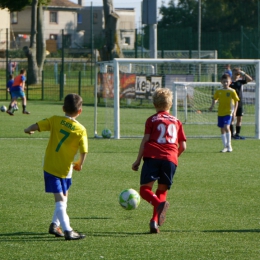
{"x":95,"y":18}
{"x":79,"y":18}
{"x":54,"y":37}
{"x":53,"y":17}
{"x":127,"y":40}
{"x":14,"y":17}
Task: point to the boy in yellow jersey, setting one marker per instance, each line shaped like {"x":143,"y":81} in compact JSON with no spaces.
{"x":228,"y":101}
{"x":67,"y":136}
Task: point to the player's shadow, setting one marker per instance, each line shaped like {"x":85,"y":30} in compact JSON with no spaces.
{"x":90,"y":217}
{"x":27,"y":236}
{"x":232,"y":231}
{"x":214,"y":231}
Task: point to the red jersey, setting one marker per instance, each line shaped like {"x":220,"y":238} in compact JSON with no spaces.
{"x":165,"y":132}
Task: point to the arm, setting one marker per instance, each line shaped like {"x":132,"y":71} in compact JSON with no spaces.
{"x":137,"y":162}
{"x":182,"y":147}
{"x":23,"y":85}
{"x":214,"y":101}
{"x":247,"y":77}
{"x":31,"y":129}
{"x":79,"y":163}
{"x":235,"y":109}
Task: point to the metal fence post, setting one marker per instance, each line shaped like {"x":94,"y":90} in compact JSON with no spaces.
{"x":80,"y":83}
{"x":42,"y":84}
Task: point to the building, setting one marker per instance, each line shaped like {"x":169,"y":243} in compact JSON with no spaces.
{"x":75,"y":21}
{"x":4,"y":29}
{"x":57,"y":16}
{"x":125,"y":25}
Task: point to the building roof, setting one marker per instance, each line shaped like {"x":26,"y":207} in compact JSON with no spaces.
{"x":63,"y":4}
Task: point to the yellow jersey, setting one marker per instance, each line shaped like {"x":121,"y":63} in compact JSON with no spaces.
{"x":67,"y":136}
{"x":227,"y":99}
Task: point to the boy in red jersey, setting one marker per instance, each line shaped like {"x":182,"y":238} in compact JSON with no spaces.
{"x":163,"y":142}
{"x":17,"y":91}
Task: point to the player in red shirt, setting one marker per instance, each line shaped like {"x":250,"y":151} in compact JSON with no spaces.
{"x":163,"y":142}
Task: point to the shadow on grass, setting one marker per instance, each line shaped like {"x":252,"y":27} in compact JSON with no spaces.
{"x":233,"y":231}
{"x":214,"y":231}
{"x":33,"y":236}
{"x":27,"y":236}
{"x":90,"y":218}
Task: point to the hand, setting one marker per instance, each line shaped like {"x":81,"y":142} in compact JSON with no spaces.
{"x":28,"y":131}
{"x":135,"y":166}
{"x":242,"y":72}
{"x":77,"y":166}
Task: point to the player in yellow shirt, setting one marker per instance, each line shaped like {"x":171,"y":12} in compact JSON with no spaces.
{"x":67,"y":136}
{"x":228,"y":101}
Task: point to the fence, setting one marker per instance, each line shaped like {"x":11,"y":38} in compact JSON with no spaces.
{"x":70,"y":63}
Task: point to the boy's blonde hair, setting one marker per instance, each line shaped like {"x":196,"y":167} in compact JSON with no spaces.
{"x":162,"y":99}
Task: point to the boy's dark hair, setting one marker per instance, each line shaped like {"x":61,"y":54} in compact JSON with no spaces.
{"x":72,"y":103}
{"x":225,"y":76}
{"x":22,"y":71}
{"x":11,"y":76}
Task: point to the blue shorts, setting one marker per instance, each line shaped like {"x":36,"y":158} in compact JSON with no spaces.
{"x":55,"y":184}
{"x":224,"y":120}
{"x":157,"y":170}
{"x":17,"y":94}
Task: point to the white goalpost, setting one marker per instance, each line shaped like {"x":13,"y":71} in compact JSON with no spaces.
{"x":124,"y":89}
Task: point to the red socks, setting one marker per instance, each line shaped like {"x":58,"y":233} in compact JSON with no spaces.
{"x":147,"y":194}
{"x":154,"y":199}
{"x":162,"y":195}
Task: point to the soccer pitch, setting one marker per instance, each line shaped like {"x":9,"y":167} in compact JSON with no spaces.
{"x":214,"y":201}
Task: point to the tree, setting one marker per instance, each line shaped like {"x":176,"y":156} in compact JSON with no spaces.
{"x":112,"y":48}
{"x":217,"y":15}
{"x":36,"y":51}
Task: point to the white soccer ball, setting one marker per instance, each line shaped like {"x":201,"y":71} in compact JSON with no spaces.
{"x":106,"y":133}
{"x":129,"y":199}
{"x":3,"y":108}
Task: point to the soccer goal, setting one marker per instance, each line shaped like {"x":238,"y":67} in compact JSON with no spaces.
{"x":124,"y":91}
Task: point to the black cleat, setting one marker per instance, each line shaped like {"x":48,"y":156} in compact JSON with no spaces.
{"x":73,"y":235}
{"x":154,"y":228}
{"x":55,"y":230}
{"x":161,"y":210}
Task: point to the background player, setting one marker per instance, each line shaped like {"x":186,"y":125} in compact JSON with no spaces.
{"x":237,"y":85}
{"x":228,"y":101}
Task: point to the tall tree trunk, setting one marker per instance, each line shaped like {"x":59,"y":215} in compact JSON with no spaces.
{"x":112,"y":48}
{"x":30,"y":52}
{"x":41,"y":44}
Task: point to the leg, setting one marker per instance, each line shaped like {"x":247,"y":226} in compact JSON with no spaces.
{"x":10,"y":110}
{"x":232,"y":127}
{"x":238,"y":128}
{"x":60,"y":213}
{"x":24,"y":105}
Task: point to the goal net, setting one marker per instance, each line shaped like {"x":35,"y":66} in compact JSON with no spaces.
{"x":124,"y":91}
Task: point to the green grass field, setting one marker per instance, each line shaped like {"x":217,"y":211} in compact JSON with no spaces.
{"x":214,"y":205}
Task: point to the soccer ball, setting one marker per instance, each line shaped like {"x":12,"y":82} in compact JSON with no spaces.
{"x":129,"y":199}
{"x":3,"y":108}
{"x":106,"y":133}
